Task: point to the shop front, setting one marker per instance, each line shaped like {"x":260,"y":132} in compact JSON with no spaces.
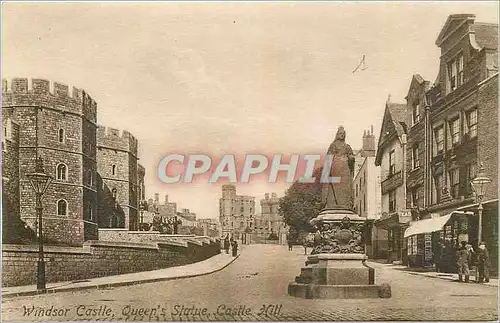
{"x":395,"y":225}
{"x":436,"y":240}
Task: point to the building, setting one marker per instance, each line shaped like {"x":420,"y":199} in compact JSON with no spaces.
{"x":45,"y":120}
{"x":118,"y":189}
{"x":390,"y":157}
{"x":454,"y":131}
{"x":97,"y":180}
{"x":268,"y":226}
{"x":236,"y":212}
{"x":367,"y":195}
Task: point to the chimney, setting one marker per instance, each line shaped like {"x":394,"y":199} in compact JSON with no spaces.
{"x":157,"y":198}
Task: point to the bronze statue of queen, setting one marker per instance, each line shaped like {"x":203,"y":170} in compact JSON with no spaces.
{"x":339,"y":195}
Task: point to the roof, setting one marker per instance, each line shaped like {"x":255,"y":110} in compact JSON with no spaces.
{"x":486,"y":35}
{"x":394,"y":113}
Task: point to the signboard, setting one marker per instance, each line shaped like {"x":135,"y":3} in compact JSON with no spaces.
{"x":428,"y":246}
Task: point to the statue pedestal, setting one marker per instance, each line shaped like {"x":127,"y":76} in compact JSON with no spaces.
{"x":337,"y":276}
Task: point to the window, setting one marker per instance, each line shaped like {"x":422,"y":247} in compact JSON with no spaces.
{"x":89,"y":177}
{"x":392,"y":163}
{"x":471,"y":117}
{"x":113,"y":169}
{"x":62,"y":207}
{"x":455,"y":131}
{"x":62,"y":172}
{"x":415,"y":162}
{"x":454,"y":182}
{"x":439,"y":139}
{"x":414,"y":198}
{"x":113,"y":193}
{"x":456,"y":72}
{"x":470,"y":174}
{"x":356,"y":190}
{"x":392,"y":201}
{"x":438,"y":186}
{"x":61,"y":135}
{"x":91,"y":215}
{"x":241,"y":209}
{"x":416,"y":113}
{"x":114,"y":221}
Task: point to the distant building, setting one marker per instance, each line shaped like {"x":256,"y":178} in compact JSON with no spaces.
{"x":236,"y":212}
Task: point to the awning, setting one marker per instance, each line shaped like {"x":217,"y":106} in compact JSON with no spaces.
{"x":427,"y":225}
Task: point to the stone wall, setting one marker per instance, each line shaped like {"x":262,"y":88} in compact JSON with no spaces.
{"x":101,"y":258}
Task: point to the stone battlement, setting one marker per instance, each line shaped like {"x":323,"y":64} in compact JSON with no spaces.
{"x":113,"y":138}
{"x":40,"y":92}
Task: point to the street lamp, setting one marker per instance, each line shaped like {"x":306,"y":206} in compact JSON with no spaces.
{"x":479,"y":186}
{"x":40,"y":182}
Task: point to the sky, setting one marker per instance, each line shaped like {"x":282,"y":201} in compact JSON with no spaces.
{"x":230,"y":78}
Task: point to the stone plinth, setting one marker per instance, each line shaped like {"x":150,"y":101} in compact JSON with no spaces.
{"x":337,"y":276}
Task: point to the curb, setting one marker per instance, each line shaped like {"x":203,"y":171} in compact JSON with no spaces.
{"x":452,"y":279}
{"x":115,"y":284}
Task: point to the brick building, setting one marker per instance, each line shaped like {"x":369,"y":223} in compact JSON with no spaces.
{"x":60,"y":127}
{"x":454,"y":127}
{"x":236,"y":212}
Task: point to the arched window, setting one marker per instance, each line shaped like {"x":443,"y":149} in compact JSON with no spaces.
{"x":113,"y":193}
{"x":113,"y":169}
{"x":62,"y":207}
{"x":61,"y":135}
{"x":62,"y":172}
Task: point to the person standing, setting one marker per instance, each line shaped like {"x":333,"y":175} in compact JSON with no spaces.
{"x":438,"y":256}
{"x":226,"y":244}
{"x":234,"y":246}
{"x":463,"y":259}
{"x":483,"y":263}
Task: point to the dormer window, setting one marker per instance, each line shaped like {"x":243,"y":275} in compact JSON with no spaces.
{"x":456,"y":72}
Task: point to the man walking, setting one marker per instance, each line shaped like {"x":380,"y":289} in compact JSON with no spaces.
{"x":463,"y":259}
{"x":483,"y":263}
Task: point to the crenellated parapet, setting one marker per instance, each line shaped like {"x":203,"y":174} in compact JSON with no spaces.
{"x":112,"y":138}
{"x":43,"y":93}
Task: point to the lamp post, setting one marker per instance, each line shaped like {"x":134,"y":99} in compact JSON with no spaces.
{"x":40,"y":182}
{"x":479,"y":186}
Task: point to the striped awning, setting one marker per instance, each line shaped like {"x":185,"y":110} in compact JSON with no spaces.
{"x":427,"y":225}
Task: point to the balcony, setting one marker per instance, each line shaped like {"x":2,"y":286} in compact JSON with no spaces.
{"x":391,"y":182}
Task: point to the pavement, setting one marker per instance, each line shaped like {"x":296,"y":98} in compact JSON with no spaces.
{"x":432,"y":274}
{"x":205,"y":267}
{"x":254,"y":288}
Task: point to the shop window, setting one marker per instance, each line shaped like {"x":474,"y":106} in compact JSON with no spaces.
{"x":471,"y":118}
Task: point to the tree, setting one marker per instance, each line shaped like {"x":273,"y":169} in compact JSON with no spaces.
{"x":301,"y":203}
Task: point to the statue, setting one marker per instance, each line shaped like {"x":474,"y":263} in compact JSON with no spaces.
{"x":339,"y":195}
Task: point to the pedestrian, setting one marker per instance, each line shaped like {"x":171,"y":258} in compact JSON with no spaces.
{"x":438,"y":256}
{"x":234,"y":246}
{"x":463,"y":260}
{"x":226,"y":244}
{"x":290,"y":245}
{"x":483,"y":263}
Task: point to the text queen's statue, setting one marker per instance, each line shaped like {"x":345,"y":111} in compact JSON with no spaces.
{"x":339,"y":195}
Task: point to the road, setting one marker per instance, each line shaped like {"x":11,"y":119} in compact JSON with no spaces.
{"x":258,"y":279}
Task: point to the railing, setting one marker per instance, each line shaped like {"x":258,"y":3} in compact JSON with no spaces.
{"x":391,"y":182}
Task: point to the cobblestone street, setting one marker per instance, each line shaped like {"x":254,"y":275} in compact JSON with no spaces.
{"x":254,"y":288}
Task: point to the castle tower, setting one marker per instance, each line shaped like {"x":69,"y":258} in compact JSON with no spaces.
{"x":61,"y":129}
{"x":118,"y":170}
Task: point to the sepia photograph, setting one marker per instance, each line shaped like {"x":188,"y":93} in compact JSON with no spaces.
{"x":249,"y":161}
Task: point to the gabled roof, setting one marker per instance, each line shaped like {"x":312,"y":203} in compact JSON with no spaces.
{"x":394,"y":120}
{"x":451,"y":24}
{"x":418,"y":80}
{"x":486,"y":35}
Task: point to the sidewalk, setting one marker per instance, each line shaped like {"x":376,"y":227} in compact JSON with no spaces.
{"x":432,"y":274}
{"x":205,"y":267}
